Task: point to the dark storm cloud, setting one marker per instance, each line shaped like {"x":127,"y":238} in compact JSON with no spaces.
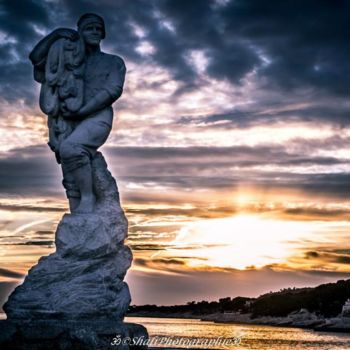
{"x":32,"y":170}
{"x":149,"y":247}
{"x":45,"y":233}
{"x":328,"y":257}
{"x":35,"y":208}
{"x":196,"y":158}
{"x":210,"y":168}
{"x":29,"y":171}
{"x":306,"y":42}
{"x":161,"y":261}
{"x":121,"y":15}
{"x":331,"y":112}
{"x":39,"y":243}
{"x":290,"y":45}
{"x":311,"y":255}
{"x":17,"y":22}
{"x":16,"y":73}
{"x":10,"y":274}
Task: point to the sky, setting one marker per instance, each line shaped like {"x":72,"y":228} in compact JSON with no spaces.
{"x":229,"y":144}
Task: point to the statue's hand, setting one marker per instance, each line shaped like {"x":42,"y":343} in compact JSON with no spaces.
{"x":67,"y":33}
{"x":66,"y":113}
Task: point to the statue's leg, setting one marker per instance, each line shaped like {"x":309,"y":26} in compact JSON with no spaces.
{"x":76,"y":152}
{"x":72,"y":190}
{"x":77,"y":172}
{"x":83,"y":176}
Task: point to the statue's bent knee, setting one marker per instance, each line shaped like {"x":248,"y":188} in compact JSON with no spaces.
{"x":69,"y":150}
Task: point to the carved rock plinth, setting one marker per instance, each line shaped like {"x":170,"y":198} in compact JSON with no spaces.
{"x":71,"y":335}
{"x":78,"y":291}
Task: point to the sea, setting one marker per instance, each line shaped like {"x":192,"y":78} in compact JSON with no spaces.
{"x":181,"y":333}
{"x":190,"y":333}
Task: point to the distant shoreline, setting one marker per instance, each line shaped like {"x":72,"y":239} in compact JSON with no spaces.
{"x":321,"y":308}
{"x":336,"y":324}
{"x":305,"y":321}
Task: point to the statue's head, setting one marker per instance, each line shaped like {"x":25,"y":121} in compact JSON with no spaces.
{"x":91,"y":28}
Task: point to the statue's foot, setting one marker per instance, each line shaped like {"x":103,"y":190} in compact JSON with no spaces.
{"x":86,"y":205}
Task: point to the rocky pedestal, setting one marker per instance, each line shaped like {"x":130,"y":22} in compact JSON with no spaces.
{"x":76,"y":298}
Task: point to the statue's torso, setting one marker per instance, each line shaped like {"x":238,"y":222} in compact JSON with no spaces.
{"x":102,"y":72}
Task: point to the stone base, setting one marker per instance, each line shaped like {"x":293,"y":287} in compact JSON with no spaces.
{"x":69,"y":335}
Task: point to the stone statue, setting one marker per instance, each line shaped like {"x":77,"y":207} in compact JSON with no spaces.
{"x":79,"y":85}
{"x":76,"y":297}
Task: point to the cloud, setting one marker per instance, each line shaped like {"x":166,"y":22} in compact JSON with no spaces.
{"x":266,"y":111}
{"x":150,"y":247}
{"x":29,"y":171}
{"x":328,"y":257}
{"x":10,"y":274}
{"x":35,"y":208}
{"x":49,"y":243}
{"x":15,"y":70}
{"x":299,"y":52}
{"x":275,"y":41}
{"x":32,"y":171}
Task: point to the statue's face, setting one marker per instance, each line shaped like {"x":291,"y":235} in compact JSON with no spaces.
{"x":92,"y":34}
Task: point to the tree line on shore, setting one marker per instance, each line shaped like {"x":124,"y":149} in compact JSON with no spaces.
{"x":325,"y":300}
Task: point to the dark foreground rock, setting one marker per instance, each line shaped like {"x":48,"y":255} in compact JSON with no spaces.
{"x":77,"y":335}
{"x":335,"y":324}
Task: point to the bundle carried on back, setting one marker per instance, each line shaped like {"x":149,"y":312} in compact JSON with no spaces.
{"x":63,"y":89}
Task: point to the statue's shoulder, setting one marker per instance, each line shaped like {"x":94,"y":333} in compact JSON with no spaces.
{"x":114,"y":60}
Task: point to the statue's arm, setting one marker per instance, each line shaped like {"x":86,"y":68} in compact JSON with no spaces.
{"x":98,"y":102}
{"x":111,"y":92}
{"x":39,"y":53}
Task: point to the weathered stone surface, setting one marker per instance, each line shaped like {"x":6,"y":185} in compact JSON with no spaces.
{"x":84,"y":235}
{"x":107,"y":201}
{"x":76,"y":296}
{"x":83,"y":279}
{"x":84,"y":335}
{"x":70,"y":286}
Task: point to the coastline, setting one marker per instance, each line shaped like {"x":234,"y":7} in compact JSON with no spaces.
{"x":302,"y":319}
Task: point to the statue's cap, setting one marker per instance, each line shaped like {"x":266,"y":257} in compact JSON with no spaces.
{"x":89,"y":18}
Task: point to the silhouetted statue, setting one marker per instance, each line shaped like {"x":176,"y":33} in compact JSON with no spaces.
{"x":79,"y":85}
{"x":76,"y":297}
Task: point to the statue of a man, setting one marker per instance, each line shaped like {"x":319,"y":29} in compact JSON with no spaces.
{"x":79,"y":85}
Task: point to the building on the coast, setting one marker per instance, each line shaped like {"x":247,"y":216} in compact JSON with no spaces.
{"x":346,"y":309}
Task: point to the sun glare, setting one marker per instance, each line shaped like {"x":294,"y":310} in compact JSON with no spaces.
{"x":241,"y":242}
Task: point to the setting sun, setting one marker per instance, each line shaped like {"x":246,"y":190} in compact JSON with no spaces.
{"x":246,"y":241}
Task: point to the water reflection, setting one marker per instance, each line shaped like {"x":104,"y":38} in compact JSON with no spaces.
{"x":253,"y":337}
